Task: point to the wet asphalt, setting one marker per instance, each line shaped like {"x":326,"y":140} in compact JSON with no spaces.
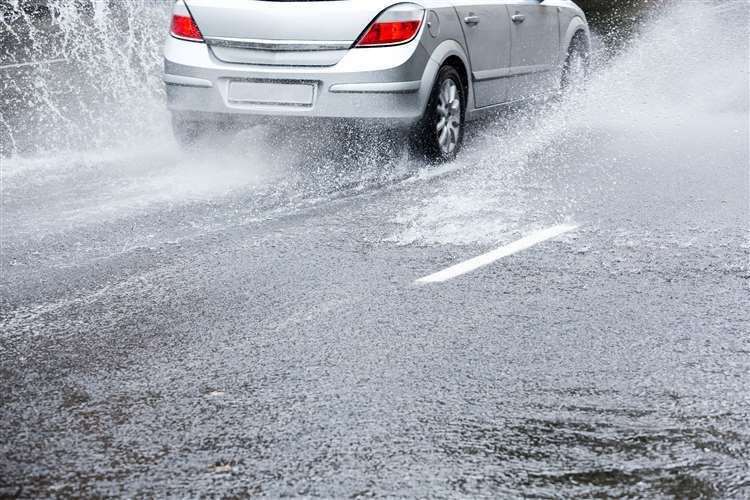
{"x":244,"y":320}
{"x":195,"y":349}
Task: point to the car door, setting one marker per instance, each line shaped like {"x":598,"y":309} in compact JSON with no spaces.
{"x":535,"y":47}
{"x":487,"y":30}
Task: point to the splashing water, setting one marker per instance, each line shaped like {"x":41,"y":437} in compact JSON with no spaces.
{"x":104,"y":85}
{"x":687,"y":68}
{"x":682,"y":80}
{"x":95,"y":76}
{"x":94,"y":105}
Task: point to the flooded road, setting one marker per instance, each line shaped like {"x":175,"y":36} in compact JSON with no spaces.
{"x":245,"y":319}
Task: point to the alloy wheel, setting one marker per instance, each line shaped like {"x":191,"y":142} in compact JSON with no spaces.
{"x":448,"y":127}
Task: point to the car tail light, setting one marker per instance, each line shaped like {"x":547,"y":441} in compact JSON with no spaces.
{"x":184,"y":26}
{"x":397,"y":25}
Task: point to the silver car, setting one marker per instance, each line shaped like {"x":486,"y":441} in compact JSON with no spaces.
{"x":429,"y":65}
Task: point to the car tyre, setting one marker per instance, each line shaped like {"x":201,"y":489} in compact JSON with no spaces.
{"x":439,"y":135}
{"x":577,"y":64}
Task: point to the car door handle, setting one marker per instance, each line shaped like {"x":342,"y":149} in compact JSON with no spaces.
{"x":518,"y":18}
{"x":471,"y":20}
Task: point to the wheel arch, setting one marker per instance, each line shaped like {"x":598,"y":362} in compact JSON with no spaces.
{"x":448,"y":52}
{"x":576,"y":26}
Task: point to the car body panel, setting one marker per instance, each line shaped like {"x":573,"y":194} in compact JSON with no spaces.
{"x":502,"y":61}
{"x":535,"y":47}
{"x":322,"y":30}
{"x":342,"y":20}
{"x":488,"y":67}
{"x":395,"y":65}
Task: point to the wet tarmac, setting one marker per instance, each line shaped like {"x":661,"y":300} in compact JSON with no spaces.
{"x":244,"y":319}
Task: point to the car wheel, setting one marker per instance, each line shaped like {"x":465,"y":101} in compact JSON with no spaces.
{"x":576,"y":68}
{"x":439,"y":134}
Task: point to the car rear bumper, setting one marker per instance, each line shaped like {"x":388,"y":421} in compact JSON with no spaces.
{"x":385,"y":84}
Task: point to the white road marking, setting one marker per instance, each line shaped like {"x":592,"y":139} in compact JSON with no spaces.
{"x":490,"y":257}
{"x":31,"y":63}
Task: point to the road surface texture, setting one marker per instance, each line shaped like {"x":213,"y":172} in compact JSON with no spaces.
{"x":245,"y":319}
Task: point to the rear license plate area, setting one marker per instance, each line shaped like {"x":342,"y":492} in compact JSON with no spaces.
{"x":272,"y":93}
